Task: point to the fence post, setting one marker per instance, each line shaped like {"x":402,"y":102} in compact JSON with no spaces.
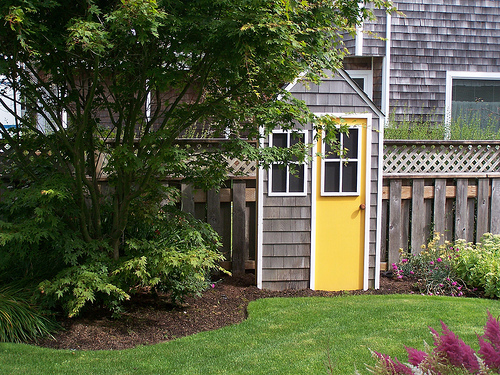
{"x":239,"y":227}
{"x":394,"y":221}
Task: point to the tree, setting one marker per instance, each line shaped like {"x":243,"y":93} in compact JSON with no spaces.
{"x":123,"y":80}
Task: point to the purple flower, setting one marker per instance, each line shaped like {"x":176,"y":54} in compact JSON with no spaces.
{"x":490,"y":351}
{"x":454,"y":283}
{"x":441,"y":285}
{"x":415,"y":356}
{"x":457,"y":351}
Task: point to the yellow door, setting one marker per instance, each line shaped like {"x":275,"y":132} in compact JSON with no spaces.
{"x":340,"y":213}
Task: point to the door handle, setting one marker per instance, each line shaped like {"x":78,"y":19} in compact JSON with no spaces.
{"x":362,"y":206}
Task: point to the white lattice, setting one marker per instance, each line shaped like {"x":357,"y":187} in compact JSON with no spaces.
{"x":441,"y":157}
{"x":242,"y":168}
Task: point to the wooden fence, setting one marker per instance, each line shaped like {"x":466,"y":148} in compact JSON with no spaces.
{"x":433,"y":186}
{"x":231,"y":211}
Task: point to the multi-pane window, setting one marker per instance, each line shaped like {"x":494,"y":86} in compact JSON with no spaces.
{"x":287,"y":179}
{"x":340,"y":173}
{"x":476,"y":101}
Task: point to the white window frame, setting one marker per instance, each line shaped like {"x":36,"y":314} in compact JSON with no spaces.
{"x":367,"y":75}
{"x":341,"y":160}
{"x":287,"y":193}
{"x":450,"y":75}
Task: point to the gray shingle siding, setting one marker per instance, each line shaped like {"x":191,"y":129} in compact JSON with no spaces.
{"x":434,"y":36}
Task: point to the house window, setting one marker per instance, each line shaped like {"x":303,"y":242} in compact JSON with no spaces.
{"x":364,"y":80}
{"x":340,"y":173}
{"x":287,"y":179}
{"x":473,"y":98}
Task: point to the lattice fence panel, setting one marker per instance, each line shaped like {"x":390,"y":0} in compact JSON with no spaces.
{"x":448,"y":157}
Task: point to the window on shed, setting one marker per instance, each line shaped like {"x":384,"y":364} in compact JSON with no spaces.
{"x":287,"y":179}
{"x":475,"y":101}
{"x":340,"y":173}
{"x":364,"y":80}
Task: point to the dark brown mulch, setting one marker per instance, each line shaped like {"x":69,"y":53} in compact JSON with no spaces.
{"x":150,"y":320}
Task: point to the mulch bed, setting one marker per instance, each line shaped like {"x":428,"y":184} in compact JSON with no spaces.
{"x":152,"y":319}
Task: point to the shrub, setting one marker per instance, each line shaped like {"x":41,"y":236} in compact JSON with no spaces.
{"x":450,"y":355}
{"x":20,"y":321}
{"x":172,"y":252}
{"x":479,"y":264}
{"x":434,"y":268}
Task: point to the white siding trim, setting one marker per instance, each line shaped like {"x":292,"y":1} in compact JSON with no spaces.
{"x":314,"y":186}
{"x":386,"y":71}
{"x":378,"y":239}
{"x":260,"y":215}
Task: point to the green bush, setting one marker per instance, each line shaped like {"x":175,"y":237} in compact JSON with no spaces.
{"x":172,"y":252}
{"x":39,"y":230}
{"x":19,"y":320}
{"x":479,"y":265}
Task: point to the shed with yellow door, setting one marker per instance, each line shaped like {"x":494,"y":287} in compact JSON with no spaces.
{"x":319,"y":226}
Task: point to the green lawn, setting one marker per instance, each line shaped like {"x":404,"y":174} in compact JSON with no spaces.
{"x":281,"y":336}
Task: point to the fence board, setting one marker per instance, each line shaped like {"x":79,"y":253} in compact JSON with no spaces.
{"x":417,"y":217}
{"x":483,"y":203}
{"x":461,"y":225}
{"x":440,"y":207}
{"x":239,"y":226}
{"x":214,"y":217}
{"x":495,"y":206}
{"x":187,"y":199}
{"x":394,"y":221}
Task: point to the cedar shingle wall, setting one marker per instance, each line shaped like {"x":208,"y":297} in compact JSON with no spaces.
{"x":287,"y":220}
{"x":433,"y":37}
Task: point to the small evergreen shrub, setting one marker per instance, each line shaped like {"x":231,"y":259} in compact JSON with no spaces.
{"x":450,"y":355}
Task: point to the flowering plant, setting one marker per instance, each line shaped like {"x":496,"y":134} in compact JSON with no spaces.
{"x":433,"y":268}
{"x":450,"y":355}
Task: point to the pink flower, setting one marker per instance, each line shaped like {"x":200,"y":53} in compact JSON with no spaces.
{"x":412,"y":273}
{"x":404,"y":260}
{"x":457,"y":351}
{"x":431,"y":262}
{"x":439,"y":260}
{"x":415,"y":356}
{"x":213,"y":285}
{"x":454,"y":283}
